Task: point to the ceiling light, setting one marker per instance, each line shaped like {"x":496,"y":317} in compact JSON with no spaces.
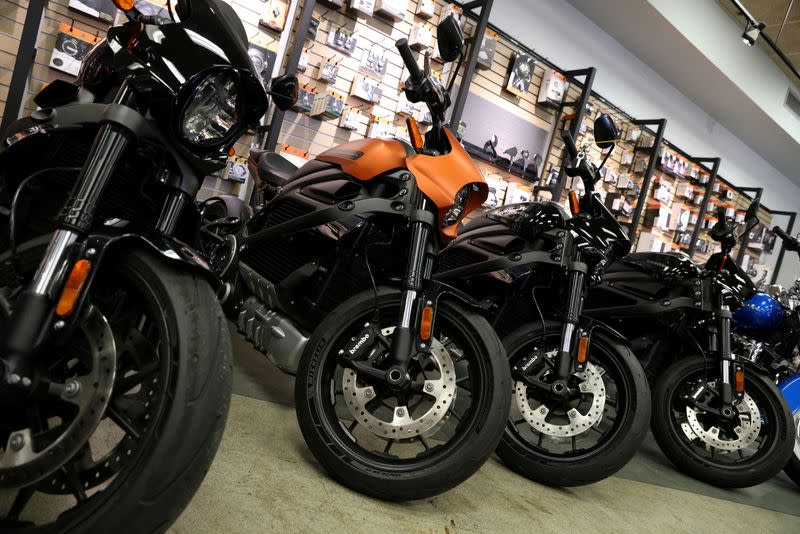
{"x":751,"y":32}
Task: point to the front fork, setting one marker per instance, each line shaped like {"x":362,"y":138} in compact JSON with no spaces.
{"x":404,"y":339}
{"x":731,"y":374}
{"x":565,"y":357}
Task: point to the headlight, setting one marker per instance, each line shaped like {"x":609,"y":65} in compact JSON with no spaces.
{"x":455,"y":213}
{"x":211,"y":113}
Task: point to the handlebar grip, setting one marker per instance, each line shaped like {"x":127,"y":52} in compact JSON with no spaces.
{"x":409,"y":61}
{"x":569,"y":142}
{"x":780,"y":233}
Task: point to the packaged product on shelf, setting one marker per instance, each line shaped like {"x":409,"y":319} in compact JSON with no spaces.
{"x":739,"y":217}
{"x":366,"y":88}
{"x":516,"y":193}
{"x":362,"y":8}
{"x":99,"y":9}
{"x":424,"y":117}
{"x":342,"y":40}
{"x":313,"y":27}
{"x":554,"y":85}
{"x":302,"y":63}
{"x":274,"y":14}
{"x":520,"y":72}
{"x":374,"y":61}
{"x":351,"y":119}
{"x":769,"y":241}
{"x":651,"y":242}
{"x":624,"y":181}
{"x":679,"y":217}
{"x":497,"y":191}
{"x":421,"y":37}
{"x":394,"y":10}
{"x":305,"y":100}
{"x":426,"y":8}
{"x":328,"y":106}
{"x":684,"y":191}
{"x":488,"y":48}
{"x":664,"y":192}
{"x":380,"y":128}
{"x":730,"y":212}
{"x":627,"y":157}
{"x":72,"y":45}
{"x":327,"y":71}
{"x":404,"y":106}
{"x":693,"y":216}
{"x":452,"y":10}
{"x":263,"y":59}
{"x":608,"y":175}
{"x":729,"y":194}
{"x":236,"y":170}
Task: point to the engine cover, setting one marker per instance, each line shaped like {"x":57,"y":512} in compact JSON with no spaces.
{"x":273,"y":334}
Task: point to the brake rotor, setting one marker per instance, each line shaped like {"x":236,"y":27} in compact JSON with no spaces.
{"x":591,"y":383}
{"x":20,"y":463}
{"x":403,"y":424}
{"x":746,"y":432}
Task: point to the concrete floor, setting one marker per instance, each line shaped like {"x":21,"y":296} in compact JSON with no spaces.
{"x":265,"y":480}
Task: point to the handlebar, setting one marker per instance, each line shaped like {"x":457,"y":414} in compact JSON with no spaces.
{"x":791,"y":243}
{"x":414,"y":71}
{"x":569,"y":142}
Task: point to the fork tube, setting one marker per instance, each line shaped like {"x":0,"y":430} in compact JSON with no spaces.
{"x":726,"y":357}
{"x":577,"y":278}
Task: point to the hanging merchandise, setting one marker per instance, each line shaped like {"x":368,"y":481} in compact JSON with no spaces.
{"x":516,"y":193}
{"x":520,"y":72}
{"x":366,"y":88}
{"x":236,"y":170}
{"x":554,"y":85}
{"x":274,"y":16}
{"x":426,"y":8}
{"x":327,"y":71}
{"x":424,"y":117}
{"x":421,"y":37}
{"x":305,"y":99}
{"x":392,"y":9}
{"x":302,"y":63}
{"x":72,"y":45}
{"x":342,"y":40}
{"x":362,"y":8}
{"x":452,"y":10}
{"x":263,"y":59}
{"x":351,"y":119}
{"x":488,"y":47}
{"x":497,"y":191}
{"x":374,"y":61}
{"x":328,"y":106}
{"x":380,"y":128}
{"x":104,"y":10}
{"x":405,"y":107}
{"x":313,"y":27}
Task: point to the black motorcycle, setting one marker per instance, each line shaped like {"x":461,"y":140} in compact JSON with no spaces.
{"x":709,"y":420}
{"x":400,"y":389}
{"x":580,"y":400}
{"x":115,"y":358}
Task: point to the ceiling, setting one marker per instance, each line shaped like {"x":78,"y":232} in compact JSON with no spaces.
{"x":772,"y":13}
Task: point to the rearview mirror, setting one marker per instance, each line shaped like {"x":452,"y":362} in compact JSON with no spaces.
{"x":284,"y":91}
{"x":450,"y":39}
{"x":605,"y":132}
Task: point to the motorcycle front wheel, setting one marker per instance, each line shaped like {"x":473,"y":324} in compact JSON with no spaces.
{"x":746,"y":450}
{"x":409,"y":444}
{"x":165,"y":382}
{"x":588,"y":435}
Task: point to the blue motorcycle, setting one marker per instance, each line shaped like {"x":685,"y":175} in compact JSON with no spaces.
{"x":767,"y":331}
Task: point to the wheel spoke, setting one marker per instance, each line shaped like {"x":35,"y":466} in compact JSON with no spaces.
{"x":74,"y":481}
{"x":353,"y":425}
{"x":20,"y":501}
{"x":120,"y":421}
{"x":424,"y":443}
{"x":519,"y":421}
{"x":127,"y":383}
{"x":388,"y":446}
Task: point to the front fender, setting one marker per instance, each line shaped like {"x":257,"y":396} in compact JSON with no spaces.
{"x":592,"y":324}
{"x":790,"y":387}
{"x":446,"y":291}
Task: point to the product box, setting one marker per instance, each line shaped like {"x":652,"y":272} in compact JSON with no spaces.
{"x":329,"y":106}
{"x":487,"y":51}
{"x":421,"y":37}
{"x":554,"y":85}
{"x":452,"y":10}
{"x":72,"y":45}
{"x":380,"y":128}
{"x":374,"y":61}
{"x":342,"y":40}
{"x":327,"y":72}
{"x":424,"y":117}
{"x":305,"y":100}
{"x":313,"y":27}
{"x":350,"y":119}
{"x":362,"y":8}
{"x":651,"y":242}
{"x":405,"y":107}
{"x":263,"y":60}
{"x":236,"y":170}
{"x":627,"y":157}
{"x":394,"y":10}
{"x":426,"y":8}
{"x":302,"y":63}
{"x":624,"y":181}
{"x":684,"y":191}
{"x":366,"y":88}
{"x":520,"y":72}
{"x":99,"y":9}
{"x":274,"y":15}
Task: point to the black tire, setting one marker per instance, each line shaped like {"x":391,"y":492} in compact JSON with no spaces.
{"x":792,"y":469}
{"x":454,"y":462}
{"x":598,"y":463}
{"x":176,"y":450}
{"x":759,"y":467}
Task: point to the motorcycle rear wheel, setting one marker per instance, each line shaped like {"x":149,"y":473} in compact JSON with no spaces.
{"x":792,"y":469}
{"x":752,"y":464}
{"x":417,"y":465}
{"x":167,"y":412}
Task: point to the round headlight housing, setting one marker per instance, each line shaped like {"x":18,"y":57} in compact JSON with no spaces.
{"x":211,"y":113}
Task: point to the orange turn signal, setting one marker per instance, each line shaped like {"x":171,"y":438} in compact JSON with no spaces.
{"x":574,"y":203}
{"x":425,"y":323}
{"x":583,"y":349}
{"x":414,"y":133}
{"x":72,"y":289}
{"x":125,"y":5}
{"x":739,"y":381}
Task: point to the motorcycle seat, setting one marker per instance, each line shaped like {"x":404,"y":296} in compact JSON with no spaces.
{"x":275,"y":169}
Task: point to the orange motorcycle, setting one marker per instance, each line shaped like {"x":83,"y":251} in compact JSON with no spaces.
{"x":402,"y":385}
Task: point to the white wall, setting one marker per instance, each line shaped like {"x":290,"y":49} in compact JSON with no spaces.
{"x":561,"y":33}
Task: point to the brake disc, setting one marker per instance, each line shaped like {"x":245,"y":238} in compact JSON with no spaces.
{"x":746,"y":432}
{"x":591,"y":383}
{"x":403,"y":424}
{"x":21,"y":463}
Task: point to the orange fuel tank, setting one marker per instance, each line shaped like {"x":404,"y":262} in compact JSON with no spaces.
{"x":365,"y":159}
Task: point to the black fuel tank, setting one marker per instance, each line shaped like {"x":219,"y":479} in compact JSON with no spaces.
{"x":668,"y":268}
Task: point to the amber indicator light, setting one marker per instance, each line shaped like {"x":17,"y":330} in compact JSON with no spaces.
{"x":72,"y":289}
{"x":414,"y":133}
{"x":425,"y":323}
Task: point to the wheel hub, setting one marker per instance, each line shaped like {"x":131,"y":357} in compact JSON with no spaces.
{"x":746,"y":431}
{"x":21,"y":464}
{"x":591,"y":384}
{"x":441,"y":392}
